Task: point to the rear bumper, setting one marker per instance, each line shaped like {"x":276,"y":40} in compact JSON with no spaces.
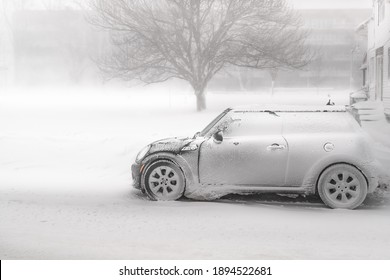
{"x":136,"y":174}
{"x":372,"y":172}
{"x":373,"y":184}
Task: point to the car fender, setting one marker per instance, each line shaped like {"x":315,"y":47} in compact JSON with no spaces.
{"x":188,"y":171}
{"x":368,"y":168}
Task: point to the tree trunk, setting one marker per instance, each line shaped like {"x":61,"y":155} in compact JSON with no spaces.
{"x":200,"y":100}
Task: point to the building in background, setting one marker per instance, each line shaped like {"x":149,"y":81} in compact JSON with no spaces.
{"x":55,"y":47}
{"x":376,"y":66}
{"x":6,"y":56}
{"x":339,"y":51}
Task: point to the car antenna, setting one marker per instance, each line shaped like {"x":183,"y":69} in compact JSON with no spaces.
{"x":330,"y":103}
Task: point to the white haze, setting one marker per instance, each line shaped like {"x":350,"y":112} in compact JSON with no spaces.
{"x":66,"y":149}
{"x":65,"y":186}
{"x":331,"y":4}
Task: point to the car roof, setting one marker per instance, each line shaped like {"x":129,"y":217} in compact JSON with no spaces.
{"x":288,"y":108}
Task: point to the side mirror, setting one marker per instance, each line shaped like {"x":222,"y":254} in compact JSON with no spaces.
{"x":218,"y":137}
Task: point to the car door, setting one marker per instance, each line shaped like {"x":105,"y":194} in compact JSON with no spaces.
{"x":252,"y":152}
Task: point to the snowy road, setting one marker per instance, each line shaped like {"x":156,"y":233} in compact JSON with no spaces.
{"x":65,"y":192}
{"x":126,"y":226}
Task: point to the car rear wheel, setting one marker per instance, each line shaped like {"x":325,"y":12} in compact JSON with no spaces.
{"x":342,"y":186}
{"x":164,"y":180}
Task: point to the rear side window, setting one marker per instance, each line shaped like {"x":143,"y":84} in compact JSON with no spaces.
{"x":252,"y":124}
{"x":316,"y":122}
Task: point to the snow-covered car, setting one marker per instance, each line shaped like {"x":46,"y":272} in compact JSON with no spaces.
{"x":296,"y":150}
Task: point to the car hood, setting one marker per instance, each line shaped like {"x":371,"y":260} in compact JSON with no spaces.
{"x":173,"y":145}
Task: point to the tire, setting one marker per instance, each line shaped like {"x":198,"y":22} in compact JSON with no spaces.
{"x":164,"y":180}
{"x":342,"y":186}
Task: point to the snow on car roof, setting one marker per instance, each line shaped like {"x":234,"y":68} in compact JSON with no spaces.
{"x":288,"y":108}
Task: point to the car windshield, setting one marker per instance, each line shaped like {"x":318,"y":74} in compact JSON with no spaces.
{"x":213,"y":123}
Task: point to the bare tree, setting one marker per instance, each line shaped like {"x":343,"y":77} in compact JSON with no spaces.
{"x":193,"y":40}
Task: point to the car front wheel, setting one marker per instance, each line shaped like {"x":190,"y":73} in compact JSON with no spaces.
{"x":342,"y":186}
{"x":164,"y":180}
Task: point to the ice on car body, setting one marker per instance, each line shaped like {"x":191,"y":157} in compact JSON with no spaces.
{"x":283,"y":149}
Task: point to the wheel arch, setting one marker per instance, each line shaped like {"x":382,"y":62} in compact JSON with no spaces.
{"x":336,"y":163}
{"x":310,"y":182}
{"x":173,"y":158}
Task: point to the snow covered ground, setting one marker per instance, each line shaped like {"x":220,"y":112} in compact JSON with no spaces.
{"x":65,"y":186}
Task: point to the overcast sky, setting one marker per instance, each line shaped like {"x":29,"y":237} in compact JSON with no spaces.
{"x":298,"y":4}
{"x":331,"y":4}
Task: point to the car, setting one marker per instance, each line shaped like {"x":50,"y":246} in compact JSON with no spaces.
{"x":306,"y":150}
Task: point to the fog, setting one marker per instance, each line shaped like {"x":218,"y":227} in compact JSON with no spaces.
{"x":332,"y":4}
{"x":75,"y":110}
{"x":52,"y":44}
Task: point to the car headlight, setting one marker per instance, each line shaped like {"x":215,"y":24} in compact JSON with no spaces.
{"x":142,"y":153}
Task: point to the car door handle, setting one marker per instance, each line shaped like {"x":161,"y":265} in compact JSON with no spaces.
{"x":276,"y":147}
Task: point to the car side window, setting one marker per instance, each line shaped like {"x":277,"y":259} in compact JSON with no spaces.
{"x":315,"y":122}
{"x":252,"y":124}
